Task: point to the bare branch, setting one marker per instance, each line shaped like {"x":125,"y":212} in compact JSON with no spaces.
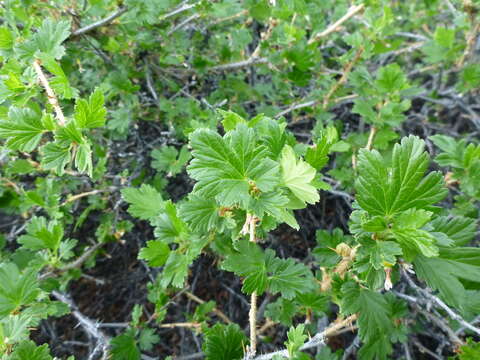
{"x":239,"y":64}
{"x":100,"y":22}
{"x":352,"y":11}
{"x":179,"y":10}
{"x":91,"y":327}
{"x":317,"y":340}
{"x":452,"y":314}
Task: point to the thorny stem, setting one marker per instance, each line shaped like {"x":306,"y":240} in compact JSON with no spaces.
{"x":249,"y":227}
{"x":371,"y":136}
{"x":52,"y":98}
{"x":346,"y":71}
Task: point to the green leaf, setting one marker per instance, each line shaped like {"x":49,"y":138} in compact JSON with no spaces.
{"x":146,"y":203}
{"x":391,"y":79}
{"x":59,"y":83}
{"x":460,"y":229}
{"x":169,"y":227}
{"x":296,"y":338}
{"x":83,"y":159}
{"x":201,"y":214}
{"x":230,"y":119}
{"x":444,"y":273}
{"x":287,"y":277}
{"x":47,"y":40}
{"x":41,"y":235}
{"x":469,"y":351}
{"x":374,"y":320}
{"x":176,"y":270}
{"x":147,"y":339}
{"x":91,"y":114}
{"x":263,"y":270}
{"x":298,"y":176}
{"x":248,"y":262}
{"x":156,"y":253}
{"x":6,"y":38}
{"x":55,"y":156}
{"x":28,"y":350}
{"x":407,"y":231}
{"x":232,"y":167}
{"x":14,"y":328}
{"x":282,"y":310}
{"x":16,"y":288}
{"x":444,"y":37}
{"x":124,"y":346}
{"x":386,"y":191}
{"x":317,"y":155}
{"x":224,"y":342}
{"x":23,"y":129}
{"x":169,"y":160}
{"x":383,"y":253}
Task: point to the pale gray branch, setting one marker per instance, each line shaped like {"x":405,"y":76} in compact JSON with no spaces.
{"x":101,"y":22}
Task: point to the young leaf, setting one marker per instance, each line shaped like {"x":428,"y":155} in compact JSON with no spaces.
{"x":296,"y":338}
{"x":407,"y":231}
{"x":229,"y":168}
{"x":41,"y":236}
{"x":224,"y":342}
{"x":47,"y":40}
{"x":387,"y":191}
{"x":147,"y":339}
{"x":156,"y":253}
{"x":146,"y":203}
{"x":55,"y":156}
{"x":298,"y":176}
{"x":169,"y":160}
{"x":264,"y":270}
{"x":16,"y":288}
{"x":91,"y":114}
{"x":83,"y":158}
{"x":124,"y":346}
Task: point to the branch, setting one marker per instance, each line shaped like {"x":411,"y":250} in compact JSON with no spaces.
{"x":240,"y":64}
{"x":334,"y":27}
{"x":317,"y":340}
{"x":89,"y":326}
{"x":249,"y":228}
{"x":74,"y":264}
{"x":179,"y":10}
{"x":52,"y":98}
{"x":452,"y":314}
{"x":100,"y":22}
{"x":312,"y":103}
{"x":72,"y":198}
{"x":371,"y":136}
{"x":343,"y":79}
{"x":217,"y":312}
